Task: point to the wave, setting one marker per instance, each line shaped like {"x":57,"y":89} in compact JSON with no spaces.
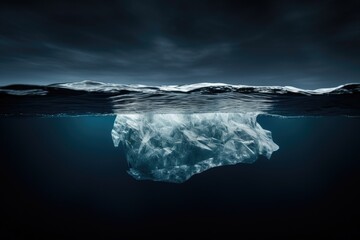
{"x":90,"y":97}
{"x":211,"y":88}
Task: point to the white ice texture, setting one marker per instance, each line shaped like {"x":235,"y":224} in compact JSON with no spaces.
{"x":174,"y":147}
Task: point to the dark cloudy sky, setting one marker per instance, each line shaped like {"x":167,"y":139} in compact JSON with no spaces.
{"x":307,"y":44}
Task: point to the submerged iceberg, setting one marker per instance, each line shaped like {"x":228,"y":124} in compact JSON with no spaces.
{"x":174,"y":147}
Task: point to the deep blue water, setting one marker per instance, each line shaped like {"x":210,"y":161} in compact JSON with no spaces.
{"x":62,"y":175}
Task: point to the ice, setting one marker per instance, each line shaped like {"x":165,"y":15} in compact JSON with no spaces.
{"x":174,"y":147}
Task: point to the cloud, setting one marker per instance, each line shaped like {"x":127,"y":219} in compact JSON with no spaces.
{"x":276,"y":42}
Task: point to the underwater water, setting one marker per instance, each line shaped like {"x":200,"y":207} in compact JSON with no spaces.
{"x":63,"y":174}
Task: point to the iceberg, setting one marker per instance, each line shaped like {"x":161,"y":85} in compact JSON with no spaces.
{"x":174,"y":147}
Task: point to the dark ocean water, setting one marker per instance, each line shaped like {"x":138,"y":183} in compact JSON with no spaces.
{"x":63,"y":176}
{"x":96,"y":98}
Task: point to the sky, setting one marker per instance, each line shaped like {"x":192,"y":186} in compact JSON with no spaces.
{"x":308,"y":44}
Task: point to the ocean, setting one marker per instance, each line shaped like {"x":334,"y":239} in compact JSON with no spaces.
{"x":63,"y":176}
